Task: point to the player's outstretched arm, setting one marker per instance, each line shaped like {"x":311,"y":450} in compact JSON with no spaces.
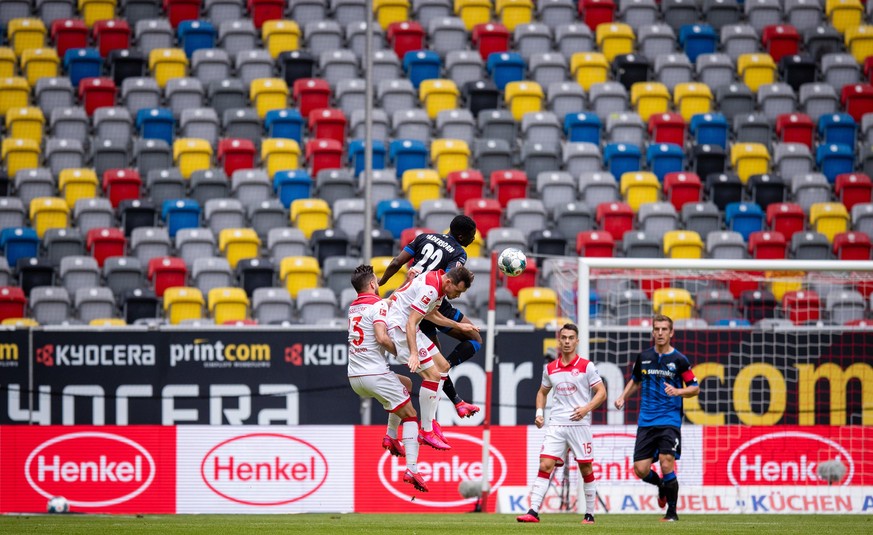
{"x":629,"y":389}
{"x":383,"y":339}
{"x":436,"y":317}
{"x":395,"y":265}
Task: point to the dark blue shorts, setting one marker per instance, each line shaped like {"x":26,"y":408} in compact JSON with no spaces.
{"x":652,"y":441}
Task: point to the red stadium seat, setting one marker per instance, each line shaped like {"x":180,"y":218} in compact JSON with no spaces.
{"x":311,"y":94}
{"x":324,"y":154}
{"x":681,"y":188}
{"x":179,"y":10}
{"x":738,"y":285}
{"x":96,"y":93}
{"x":780,"y":40}
{"x":801,"y":306}
{"x":12,"y":302}
{"x":487,"y":214}
{"x":667,"y":128}
{"x":766,"y":244}
{"x":615,"y":218}
{"x":595,"y":244}
{"x":852,"y":246}
{"x":786,"y":218}
{"x":105,"y":242}
{"x":69,"y":33}
{"x":596,"y":12}
{"x":857,"y":99}
{"x":165,"y":272}
{"x":853,"y":188}
{"x":795,"y":128}
{"x":527,"y":279}
{"x":465,"y":185}
{"x":264,"y":10}
{"x":406,"y":36}
{"x":328,"y":123}
{"x":490,"y":38}
{"x":410,"y":234}
{"x":234,"y":154}
{"x":121,"y":184}
{"x":111,"y":35}
{"x":508,"y":185}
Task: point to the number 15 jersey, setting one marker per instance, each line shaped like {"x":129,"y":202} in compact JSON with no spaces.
{"x":431,"y":252}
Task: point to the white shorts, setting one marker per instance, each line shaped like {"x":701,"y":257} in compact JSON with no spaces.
{"x":385,"y":388}
{"x":560,"y":438}
{"x":426,"y":348}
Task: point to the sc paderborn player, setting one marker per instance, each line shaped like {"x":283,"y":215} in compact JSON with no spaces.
{"x":431,"y":252}
{"x":660,"y":372}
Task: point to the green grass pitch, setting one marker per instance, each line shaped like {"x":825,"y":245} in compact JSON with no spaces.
{"x":430,"y":524}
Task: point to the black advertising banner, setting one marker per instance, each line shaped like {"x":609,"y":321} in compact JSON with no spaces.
{"x":256,"y":376}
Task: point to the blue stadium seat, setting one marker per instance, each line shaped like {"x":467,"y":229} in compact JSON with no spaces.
{"x":744,"y":217}
{"x":396,"y":215}
{"x":835,"y":160}
{"x":709,"y":129}
{"x":837,"y":129}
{"x":505,"y":67}
{"x":356,"y":155}
{"x":407,"y":154}
{"x":663,"y":158}
{"x":81,"y":63}
{"x":178,"y":214}
{"x":18,"y":242}
{"x":196,"y":34}
{"x":287,"y":123}
{"x":622,"y":158}
{"x":421,"y":65}
{"x":292,"y":185}
{"x":582,"y":127}
{"x":697,"y":39}
{"x":156,"y":123}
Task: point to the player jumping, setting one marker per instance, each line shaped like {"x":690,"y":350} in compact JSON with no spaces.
{"x":431,"y":252}
{"x":578,"y":391}
{"x":369,"y":374}
{"x":660,"y":372}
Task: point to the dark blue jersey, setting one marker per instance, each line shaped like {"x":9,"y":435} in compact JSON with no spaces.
{"x":653,"y":372}
{"x":436,"y":251}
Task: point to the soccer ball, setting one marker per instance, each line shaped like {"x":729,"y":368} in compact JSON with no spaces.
{"x":58,"y":504}
{"x":512,"y":262}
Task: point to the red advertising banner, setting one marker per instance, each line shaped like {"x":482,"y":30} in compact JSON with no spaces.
{"x":98,"y":469}
{"x":379,"y":486}
{"x":787,"y":455}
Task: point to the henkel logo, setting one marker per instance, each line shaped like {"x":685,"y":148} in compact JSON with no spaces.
{"x":264,"y":469}
{"x":91,"y":469}
{"x":565,"y":389}
{"x":462,"y":463}
{"x":785,"y":457}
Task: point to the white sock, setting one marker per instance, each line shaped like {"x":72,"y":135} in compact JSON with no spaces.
{"x":393,"y":424}
{"x":590,"y":489}
{"x":538,"y":490}
{"x":428,"y":396}
{"x":410,"y":443}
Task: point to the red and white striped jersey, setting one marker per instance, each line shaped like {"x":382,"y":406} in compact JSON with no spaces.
{"x":423,"y":294}
{"x":366,"y":356}
{"x":572,"y":385}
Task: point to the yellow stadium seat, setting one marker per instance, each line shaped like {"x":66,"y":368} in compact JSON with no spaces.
{"x":639,"y":187}
{"x":39,"y":63}
{"x":523,"y":97}
{"x":269,"y":94}
{"x":844,"y":14}
{"x":107,"y":322}
{"x":299,"y":273}
{"x":829,"y":218}
{"x":14,"y":93}
{"x":380,"y":264}
{"x":96,"y":10}
{"x":756,"y":70}
{"x":75,"y":184}
{"x":227,"y":304}
{"x":474,"y":250}
{"x":691,"y":99}
{"x":8,"y":61}
{"x":589,"y":68}
{"x":859,"y":42}
{"x":615,"y":39}
{"x":238,"y":244}
{"x":421,"y":185}
{"x":25,"y":34}
{"x":449,"y":155}
{"x":48,"y":212}
{"x":473,"y":12}
{"x":390,"y":11}
{"x":310,"y":215}
{"x":280,"y":36}
{"x":25,"y":123}
{"x":514,"y":12}
{"x":280,"y":155}
{"x":183,"y":303}
{"x":192,"y":154}
{"x":683,"y":244}
{"x":650,"y":98}
{"x":782,"y":282}
{"x":674,"y":302}
{"x":536,"y":303}
{"x":167,"y":63}
{"x":750,"y":159}
{"x":19,"y":154}
{"x":19,"y":322}
{"x":438,"y":95}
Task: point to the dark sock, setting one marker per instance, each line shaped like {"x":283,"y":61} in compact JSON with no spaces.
{"x":463,"y":352}
{"x":451,"y":393}
{"x":652,"y":478}
{"x":671,"y":489}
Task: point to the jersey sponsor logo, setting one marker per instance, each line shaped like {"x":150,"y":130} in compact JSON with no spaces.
{"x":91,"y":469}
{"x":264,"y":469}
{"x":788,"y":458}
{"x":96,"y":355}
{"x":566,"y":389}
{"x":660,"y":373}
{"x":647,"y":362}
{"x":220,"y":355}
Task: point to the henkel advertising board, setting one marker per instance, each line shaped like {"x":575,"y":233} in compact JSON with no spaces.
{"x":265,"y":469}
{"x":379,"y":486}
{"x":98,"y":469}
{"x":787,"y":455}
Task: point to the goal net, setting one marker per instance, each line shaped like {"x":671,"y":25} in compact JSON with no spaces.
{"x":782,"y":350}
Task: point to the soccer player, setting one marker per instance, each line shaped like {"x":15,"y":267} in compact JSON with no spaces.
{"x":660,"y":371}
{"x":411,"y":303}
{"x":430,"y":252}
{"x":369,"y":374}
{"x":578,"y":391}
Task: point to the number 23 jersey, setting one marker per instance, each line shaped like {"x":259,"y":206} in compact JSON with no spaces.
{"x":431,"y":252}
